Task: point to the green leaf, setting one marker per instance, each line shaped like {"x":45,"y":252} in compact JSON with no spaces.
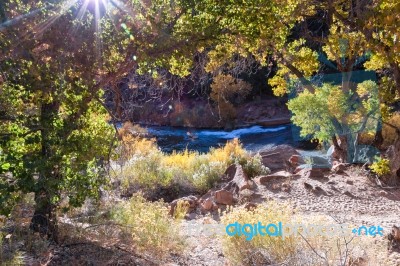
{"x":6,"y":166}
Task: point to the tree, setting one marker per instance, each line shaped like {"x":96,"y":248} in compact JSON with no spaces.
{"x":225,"y":91}
{"x":344,"y":39}
{"x":56,"y":57}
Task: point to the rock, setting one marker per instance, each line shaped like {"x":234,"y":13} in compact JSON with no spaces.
{"x":230,"y":172}
{"x":286,"y":187}
{"x":276,"y":158}
{"x":333,"y":154}
{"x":311,"y":173}
{"x":348,"y":193}
{"x":224,"y":197}
{"x":393,"y":153}
{"x":319,"y":162}
{"x":350,"y":182}
{"x":278,"y":175}
{"x":365,"y":154}
{"x":240,"y":181}
{"x":295,"y":160}
{"x":394,"y":237}
{"x":338,"y":168}
{"x":191,"y":216}
{"x":192,"y":200}
{"x":308,"y":186}
{"x":383,"y":193}
{"x":207,"y":204}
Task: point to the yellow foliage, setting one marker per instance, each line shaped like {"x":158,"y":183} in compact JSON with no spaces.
{"x":227,"y":154}
{"x":381,"y":167}
{"x":154,"y":168}
{"x":182,"y":207}
{"x":224,"y":87}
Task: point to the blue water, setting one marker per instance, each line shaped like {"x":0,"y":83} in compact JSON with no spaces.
{"x":253,"y":138}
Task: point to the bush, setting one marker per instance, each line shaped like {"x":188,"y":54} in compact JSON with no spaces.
{"x":150,"y":226}
{"x":295,"y":249}
{"x":242,"y":252}
{"x":381,"y":166}
{"x":188,"y":169}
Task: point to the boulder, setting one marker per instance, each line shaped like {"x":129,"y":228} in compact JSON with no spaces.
{"x":295,"y":160}
{"x":315,"y":173}
{"x":393,"y":153}
{"x":319,"y":162}
{"x":276,"y":158}
{"x":224,"y":197}
{"x":230,"y":172}
{"x":207,"y":204}
{"x":278,"y":175}
{"x":240,"y":180}
{"x":365,"y":154}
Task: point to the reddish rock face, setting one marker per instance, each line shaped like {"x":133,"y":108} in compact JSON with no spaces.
{"x":278,"y":175}
{"x":393,"y":153}
{"x":207,"y":204}
{"x":277,"y":158}
{"x":295,"y":160}
{"x":238,"y":179}
{"x":312,"y":173}
{"x":224,"y":197}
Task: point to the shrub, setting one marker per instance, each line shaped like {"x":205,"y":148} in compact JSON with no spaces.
{"x":295,"y":249}
{"x":253,"y":166}
{"x":132,"y":144}
{"x":145,"y":171}
{"x":242,"y":252}
{"x":150,"y":226}
{"x":190,"y":169}
{"x":181,"y":209}
{"x":381,"y":166}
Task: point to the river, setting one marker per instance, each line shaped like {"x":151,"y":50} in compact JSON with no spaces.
{"x":253,"y":138}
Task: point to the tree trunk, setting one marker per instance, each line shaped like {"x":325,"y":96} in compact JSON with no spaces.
{"x":340,"y":153}
{"x":44,"y":219}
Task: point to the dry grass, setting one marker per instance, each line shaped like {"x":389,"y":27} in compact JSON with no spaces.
{"x":299,"y":248}
{"x":151,"y":228}
{"x":260,"y":250}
